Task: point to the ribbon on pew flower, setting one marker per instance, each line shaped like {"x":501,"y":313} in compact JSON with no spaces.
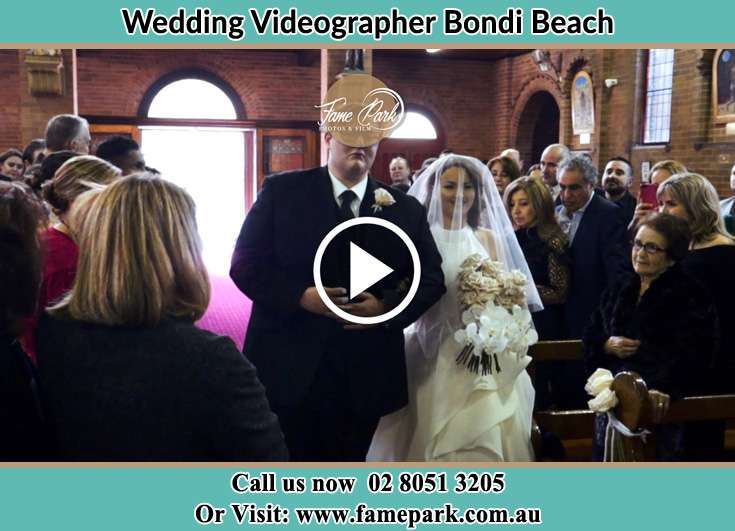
{"x":605,"y":399}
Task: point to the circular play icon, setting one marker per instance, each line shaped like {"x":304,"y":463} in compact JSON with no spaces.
{"x":365,"y":270}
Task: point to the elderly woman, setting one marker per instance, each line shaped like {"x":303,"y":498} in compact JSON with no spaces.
{"x":147,"y":384}
{"x":658,"y":322}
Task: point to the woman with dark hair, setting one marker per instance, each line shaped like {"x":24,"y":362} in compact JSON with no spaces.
{"x":33,"y":152}
{"x":659,"y":322}
{"x":11,"y":164}
{"x":20,"y":415}
{"x":505,"y":170}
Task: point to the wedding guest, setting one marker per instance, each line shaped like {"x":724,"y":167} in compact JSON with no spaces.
{"x":74,"y":177}
{"x":147,"y":384}
{"x":596,"y":233}
{"x":47,"y":169}
{"x":553,"y":156}
{"x":504,"y":170}
{"x":658,"y":322}
{"x":67,"y":132}
{"x":123,"y":152}
{"x":659,"y":173}
{"x":546,"y":249}
{"x":711,"y":260}
{"x":515,"y":155}
{"x":11,"y":164}
{"x":400,"y":173}
{"x":616,"y":179}
{"x":23,"y":436}
{"x":727,"y":206}
{"x":33,"y":152}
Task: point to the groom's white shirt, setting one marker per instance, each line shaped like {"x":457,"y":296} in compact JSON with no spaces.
{"x":359,"y":189}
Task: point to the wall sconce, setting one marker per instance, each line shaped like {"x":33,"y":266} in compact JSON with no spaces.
{"x":610,"y":83}
{"x":542,"y":58}
{"x":45,"y":72}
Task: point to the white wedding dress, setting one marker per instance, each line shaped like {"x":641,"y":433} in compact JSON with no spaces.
{"x":454,"y":414}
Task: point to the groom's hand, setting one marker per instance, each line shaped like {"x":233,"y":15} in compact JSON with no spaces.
{"x":312,"y":302}
{"x":364,"y":305}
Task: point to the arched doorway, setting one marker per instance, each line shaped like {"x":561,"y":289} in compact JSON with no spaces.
{"x":538,"y":127}
{"x":417,"y":139}
{"x":197,"y":147}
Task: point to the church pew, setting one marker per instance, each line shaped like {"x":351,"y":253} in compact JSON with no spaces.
{"x":578,"y":425}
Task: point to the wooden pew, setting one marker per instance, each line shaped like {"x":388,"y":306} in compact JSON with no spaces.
{"x":634,"y":407}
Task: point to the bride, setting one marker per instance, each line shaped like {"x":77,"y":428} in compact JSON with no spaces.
{"x":454,"y":414}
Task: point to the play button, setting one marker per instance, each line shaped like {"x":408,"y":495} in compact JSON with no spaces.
{"x":365,"y":270}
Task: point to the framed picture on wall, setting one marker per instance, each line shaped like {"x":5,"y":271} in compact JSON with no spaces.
{"x":723,"y":86}
{"x":583,"y":104}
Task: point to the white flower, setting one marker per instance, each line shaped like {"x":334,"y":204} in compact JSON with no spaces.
{"x":382,"y":198}
{"x":605,"y":401}
{"x":600,"y":380}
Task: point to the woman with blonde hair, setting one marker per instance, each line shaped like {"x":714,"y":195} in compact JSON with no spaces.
{"x":711,"y":259}
{"x":660,"y":171}
{"x":127,"y":374}
{"x":73,"y":178}
{"x":546,"y":249}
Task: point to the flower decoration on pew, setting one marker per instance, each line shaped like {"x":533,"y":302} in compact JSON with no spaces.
{"x":498,"y":328}
{"x":598,"y":386}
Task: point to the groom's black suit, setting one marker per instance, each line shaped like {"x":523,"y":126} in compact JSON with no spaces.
{"x":329,"y":386}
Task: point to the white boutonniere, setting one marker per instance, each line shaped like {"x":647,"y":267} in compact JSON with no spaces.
{"x":382,"y":199}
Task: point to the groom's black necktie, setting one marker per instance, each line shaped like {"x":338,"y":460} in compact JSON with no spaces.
{"x":345,"y":208}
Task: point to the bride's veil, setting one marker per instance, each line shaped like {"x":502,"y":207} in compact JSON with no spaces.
{"x":465,"y":202}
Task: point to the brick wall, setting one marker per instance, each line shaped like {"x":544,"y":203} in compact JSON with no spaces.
{"x":479,"y":105}
{"x":270,"y":85}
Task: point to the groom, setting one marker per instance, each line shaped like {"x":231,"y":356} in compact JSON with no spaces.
{"x":330,"y":381}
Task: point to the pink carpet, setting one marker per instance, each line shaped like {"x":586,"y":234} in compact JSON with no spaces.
{"x":229,"y":311}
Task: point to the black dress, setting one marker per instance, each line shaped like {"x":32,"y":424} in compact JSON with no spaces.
{"x":549,"y":265}
{"x":676,"y":323}
{"x":23,"y":437}
{"x":714,"y":267}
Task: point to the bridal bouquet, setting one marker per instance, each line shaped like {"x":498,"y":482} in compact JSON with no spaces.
{"x":498,"y":328}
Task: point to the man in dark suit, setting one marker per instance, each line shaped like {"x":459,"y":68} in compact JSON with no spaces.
{"x":616,"y":179}
{"x":596,"y":232}
{"x":330,"y":381}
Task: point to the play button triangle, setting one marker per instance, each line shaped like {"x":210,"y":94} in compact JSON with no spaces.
{"x":365,"y":270}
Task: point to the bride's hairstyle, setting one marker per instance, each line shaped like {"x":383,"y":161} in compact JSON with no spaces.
{"x":543,"y":205}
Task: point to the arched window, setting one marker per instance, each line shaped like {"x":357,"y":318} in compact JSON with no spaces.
{"x":659,"y":82}
{"x":193,"y":99}
{"x":194,"y":148}
{"x":415,"y":126}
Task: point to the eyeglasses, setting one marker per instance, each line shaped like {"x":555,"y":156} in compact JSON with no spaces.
{"x":650,"y":248}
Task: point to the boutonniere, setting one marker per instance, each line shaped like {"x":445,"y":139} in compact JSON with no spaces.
{"x":382,"y":199}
